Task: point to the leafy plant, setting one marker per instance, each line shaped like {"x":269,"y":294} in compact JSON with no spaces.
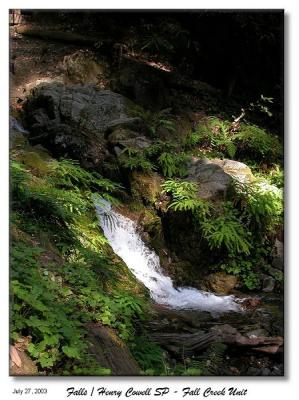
{"x":262,"y":105}
{"x":226,"y":230}
{"x":216,"y":134}
{"x":246,"y":269}
{"x":133,"y":159}
{"x":149,"y":355}
{"x":172,"y":164}
{"x":40,"y":305}
{"x":185,"y":198}
{"x":262,"y":204}
{"x":231,"y":139}
{"x":153,"y":41}
{"x":256,"y":141}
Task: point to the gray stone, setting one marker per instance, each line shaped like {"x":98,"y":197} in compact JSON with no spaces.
{"x":73,"y":120}
{"x":121,"y":138}
{"x":277,"y":255}
{"x":215,"y":176}
{"x":268,"y":283}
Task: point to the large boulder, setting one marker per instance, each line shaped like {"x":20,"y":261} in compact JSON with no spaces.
{"x":73,"y":121}
{"x":215,"y":176}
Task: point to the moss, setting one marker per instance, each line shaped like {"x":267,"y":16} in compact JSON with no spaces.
{"x":145,"y":187}
{"x":37,"y":160}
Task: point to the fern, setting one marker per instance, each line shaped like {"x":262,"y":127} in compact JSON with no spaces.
{"x":226,"y":230}
{"x":180,"y":190}
{"x":185,"y":198}
{"x":172,"y":164}
{"x":133,"y":159}
{"x":258,"y":142}
{"x":192,"y":140}
{"x":262,"y":204}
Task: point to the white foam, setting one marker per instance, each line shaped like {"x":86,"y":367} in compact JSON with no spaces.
{"x":123,"y":237}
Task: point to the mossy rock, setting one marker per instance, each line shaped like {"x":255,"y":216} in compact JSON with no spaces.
{"x":82,"y":67}
{"x":145,"y":187}
{"x":152,"y":227}
{"x":221,"y":283}
{"x":38,"y":161}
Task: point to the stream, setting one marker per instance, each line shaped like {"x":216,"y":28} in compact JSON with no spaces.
{"x":122,"y":235}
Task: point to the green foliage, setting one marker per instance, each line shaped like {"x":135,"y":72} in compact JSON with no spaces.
{"x":173,"y":164}
{"x":246,"y":269}
{"x":149,"y":355}
{"x":276,"y":176}
{"x":159,"y":147}
{"x":58,"y":194}
{"x":209,"y":363}
{"x":133,"y":159}
{"x":52,"y":302}
{"x":231,"y":140}
{"x":185,"y":198}
{"x":41,"y":306}
{"x":261,"y":203}
{"x":226,"y":230}
{"x":259,"y":144}
{"x":192,"y":140}
{"x":216,"y":134}
{"x":180,"y":189}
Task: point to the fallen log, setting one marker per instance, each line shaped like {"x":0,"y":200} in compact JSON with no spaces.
{"x":184,"y":343}
{"x":61,"y":36}
{"x":190,"y":343}
{"x":110,"y":351}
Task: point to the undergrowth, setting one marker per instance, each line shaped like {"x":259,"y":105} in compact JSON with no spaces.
{"x":240,"y":229}
{"x":63,"y":274}
{"x":240,"y":140}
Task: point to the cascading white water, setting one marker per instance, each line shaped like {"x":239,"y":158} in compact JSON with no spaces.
{"x":123,"y":237}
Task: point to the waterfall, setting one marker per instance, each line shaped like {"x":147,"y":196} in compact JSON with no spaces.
{"x":124,"y":239}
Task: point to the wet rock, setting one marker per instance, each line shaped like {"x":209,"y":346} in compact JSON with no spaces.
{"x":277,"y":274}
{"x":251,"y":303}
{"x":252,"y":371}
{"x":183,"y":240}
{"x":277,"y":255}
{"x":256,"y":333}
{"x":221,"y":283}
{"x":266,"y":372}
{"x":268,"y":283}
{"x":215,"y":176}
{"x":152,"y":233}
{"x":71,"y":121}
